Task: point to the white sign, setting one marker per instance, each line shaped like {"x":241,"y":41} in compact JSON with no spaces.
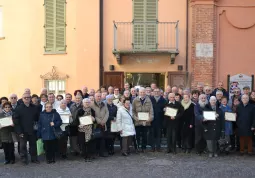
{"x":239,"y":81}
{"x":204,"y":49}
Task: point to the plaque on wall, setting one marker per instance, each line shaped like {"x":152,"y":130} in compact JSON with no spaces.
{"x":204,"y":49}
{"x":239,"y":81}
{"x":177,"y":78}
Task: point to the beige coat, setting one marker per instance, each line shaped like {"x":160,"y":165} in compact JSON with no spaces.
{"x":101,"y":113}
{"x":146,"y":107}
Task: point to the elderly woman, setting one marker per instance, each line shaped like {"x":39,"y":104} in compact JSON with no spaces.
{"x":6,"y":135}
{"x":112,"y":118}
{"x":64,"y":111}
{"x":87,"y":145}
{"x":48,"y":123}
{"x":44,"y":99}
{"x":187,"y":126}
{"x":200,"y":143}
{"x":125,"y":126}
{"x":121,"y":100}
{"x":213,"y":129}
{"x":2,"y":101}
{"x":73,"y":127}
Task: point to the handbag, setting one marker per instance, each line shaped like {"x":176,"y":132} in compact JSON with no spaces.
{"x":57,"y":132}
{"x":96,"y":133}
{"x":40,"y":147}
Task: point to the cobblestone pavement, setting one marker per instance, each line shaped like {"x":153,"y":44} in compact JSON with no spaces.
{"x":142,"y":166}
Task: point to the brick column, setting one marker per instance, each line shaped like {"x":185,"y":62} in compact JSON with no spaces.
{"x":203,"y":52}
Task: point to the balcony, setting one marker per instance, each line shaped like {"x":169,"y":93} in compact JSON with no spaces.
{"x":139,"y":38}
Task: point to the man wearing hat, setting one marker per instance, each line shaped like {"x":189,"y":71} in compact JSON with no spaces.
{"x":246,"y":90}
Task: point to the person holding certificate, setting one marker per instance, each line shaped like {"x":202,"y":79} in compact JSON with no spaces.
{"x":173,"y":113}
{"x":85,"y":118}
{"x":187,"y":126}
{"x":214,"y":126}
{"x":6,"y":129}
{"x":143,"y":115}
{"x":111,"y":121}
{"x":245,"y":123}
{"x":66,"y":118}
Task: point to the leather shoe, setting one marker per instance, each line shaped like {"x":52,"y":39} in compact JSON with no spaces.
{"x":7,"y":162}
{"x":35,"y":162}
{"x":124,"y":154}
{"x":13,"y":162}
{"x":103,"y":155}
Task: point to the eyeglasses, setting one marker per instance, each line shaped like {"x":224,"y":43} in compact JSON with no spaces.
{"x":48,"y":107}
{"x":26,"y":98}
{"x":13,"y":98}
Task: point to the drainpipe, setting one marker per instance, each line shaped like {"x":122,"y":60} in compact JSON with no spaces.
{"x":101,"y":41}
{"x":187,"y":43}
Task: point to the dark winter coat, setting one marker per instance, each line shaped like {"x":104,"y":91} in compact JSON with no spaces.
{"x":225,"y":92}
{"x":198,"y":115}
{"x":5,"y":132}
{"x":245,"y":119}
{"x":73,"y":127}
{"x":214,"y":128}
{"x":174,"y":123}
{"x":45,"y":130}
{"x":188,"y":118}
{"x":158,"y":108}
{"x":112,"y":114}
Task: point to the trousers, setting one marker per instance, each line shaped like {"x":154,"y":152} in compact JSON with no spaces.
{"x":31,"y":138}
{"x":8,"y":151}
{"x":50,"y":149}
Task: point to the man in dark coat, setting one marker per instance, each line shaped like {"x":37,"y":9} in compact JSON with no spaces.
{"x":24,"y":118}
{"x":220,"y":88}
{"x":245,"y":123}
{"x":172,"y":123}
{"x":158,"y":103}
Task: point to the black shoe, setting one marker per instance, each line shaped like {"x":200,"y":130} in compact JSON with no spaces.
{"x":35,"y":162}
{"x":174,"y":152}
{"x":136,"y":151}
{"x":25,"y":162}
{"x":48,"y":162}
{"x":124,"y":154}
{"x":184,"y":150}
{"x":142,"y":151}
{"x":12,"y":161}
{"x":76,"y":153}
{"x":64,"y":157}
{"x":7,"y":162}
{"x":103,"y":155}
{"x":188,"y":151}
{"x":169,"y":151}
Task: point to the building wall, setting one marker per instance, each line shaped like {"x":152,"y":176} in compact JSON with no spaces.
{"x":121,"y":11}
{"x":22,"y":50}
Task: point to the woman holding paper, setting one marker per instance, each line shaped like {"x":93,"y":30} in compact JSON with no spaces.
{"x":84,"y":119}
{"x":188,"y":119}
{"x":66,"y":118}
{"x":48,"y":123}
{"x":6,"y":134}
{"x":214,"y":126}
{"x":126,"y":127}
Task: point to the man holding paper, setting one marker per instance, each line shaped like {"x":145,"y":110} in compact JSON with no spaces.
{"x":143,"y":114}
{"x":173,"y":113}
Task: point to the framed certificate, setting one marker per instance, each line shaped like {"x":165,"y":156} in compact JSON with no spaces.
{"x":229,"y":116}
{"x":85,"y":120}
{"x":65,"y":118}
{"x":209,"y":115}
{"x":143,"y":116}
{"x":6,"y":121}
{"x":114,"y":127}
{"x":116,"y":101}
{"x":172,"y":112}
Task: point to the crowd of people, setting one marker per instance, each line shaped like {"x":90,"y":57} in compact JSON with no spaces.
{"x":94,"y":120}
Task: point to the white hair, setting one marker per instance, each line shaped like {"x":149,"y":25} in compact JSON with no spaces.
{"x":244,"y":95}
{"x":219,"y":92}
{"x":213,"y":98}
{"x":62,"y":101}
{"x":141,"y":89}
{"x":86,"y":100}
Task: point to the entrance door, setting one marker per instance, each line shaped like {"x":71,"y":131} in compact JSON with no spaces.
{"x":115,"y":79}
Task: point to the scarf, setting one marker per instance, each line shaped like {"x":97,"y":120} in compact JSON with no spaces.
{"x":186,"y":105}
{"x":213,"y":108}
{"x":87,"y":129}
{"x":7,"y":114}
{"x":157,"y":98}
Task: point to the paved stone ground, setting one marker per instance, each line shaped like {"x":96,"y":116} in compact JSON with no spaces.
{"x":142,"y":166}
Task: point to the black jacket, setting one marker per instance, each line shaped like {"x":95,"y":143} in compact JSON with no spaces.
{"x":188,"y":118}
{"x":24,"y":118}
{"x":174,"y":123}
{"x":112,"y":114}
{"x":80,"y":112}
{"x":158,"y":109}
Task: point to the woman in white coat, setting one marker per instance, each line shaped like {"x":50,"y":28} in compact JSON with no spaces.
{"x":125,"y":126}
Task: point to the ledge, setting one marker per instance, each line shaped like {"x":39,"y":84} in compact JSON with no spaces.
{"x":54,"y":53}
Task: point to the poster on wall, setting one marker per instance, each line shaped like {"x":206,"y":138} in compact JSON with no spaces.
{"x":239,"y":81}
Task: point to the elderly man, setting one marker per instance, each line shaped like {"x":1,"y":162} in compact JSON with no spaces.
{"x":168,"y":89}
{"x":13,"y":99}
{"x":69,"y":100}
{"x":174,"y":89}
{"x":103,"y":97}
{"x":133,"y":94}
{"x":26,"y":91}
{"x":92,"y":92}
{"x":148,"y":91}
{"x":220,"y":87}
{"x":44,"y":91}
{"x":142,"y":105}
{"x":84,"y":90}
{"x":116,"y":96}
{"x":126,"y":88}
{"x":219,"y":95}
{"x":24,"y":118}
{"x":207,"y":92}
{"x":246,"y":90}
{"x":172,"y":123}
{"x":200,"y":88}
{"x":200,"y":142}
{"x":101,"y":116}
{"x":52,"y":100}
{"x":245,"y":123}
{"x":110,"y":90}
{"x":153,"y":85}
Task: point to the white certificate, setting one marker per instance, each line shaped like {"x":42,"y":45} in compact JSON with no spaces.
{"x":116,"y":101}
{"x":143,"y":116}
{"x":65,"y":118}
{"x":114,"y":127}
{"x":229,"y":116}
{"x":172,"y":112}
{"x":86,"y":120}
{"x":6,"y":121}
{"x":209,"y":115}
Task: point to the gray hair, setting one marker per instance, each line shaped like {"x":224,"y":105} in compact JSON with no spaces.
{"x":13,"y":95}
{"x":219,"y":92}
{"x":245,"y":96}
{"x":126,"y":91}
{"x":213,"y":98}
{"x":141,"y":89}
{"x":85,"y":100}
{"x":62,"y":101}
{"x":202,"y":95}
{"x":207,"y":88}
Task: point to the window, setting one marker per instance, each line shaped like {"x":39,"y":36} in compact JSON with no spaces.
{"x":1,"y":23}
{"x":55,"y":26}
{"x":57,"y":87}
{"x":145,"y":16}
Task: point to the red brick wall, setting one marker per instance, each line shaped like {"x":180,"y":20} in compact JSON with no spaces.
{"x":203,"y":31}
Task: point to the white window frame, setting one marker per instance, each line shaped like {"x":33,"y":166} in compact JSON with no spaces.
{"x":58,"y":86}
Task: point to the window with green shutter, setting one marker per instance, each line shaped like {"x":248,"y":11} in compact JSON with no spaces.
{"x":55,"y":26}
{"x":145,"y":15}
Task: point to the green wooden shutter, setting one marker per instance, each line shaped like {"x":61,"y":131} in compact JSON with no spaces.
{"x":49,"y":26}
{"x":145,"y":27}
{"x":60,"y":25}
